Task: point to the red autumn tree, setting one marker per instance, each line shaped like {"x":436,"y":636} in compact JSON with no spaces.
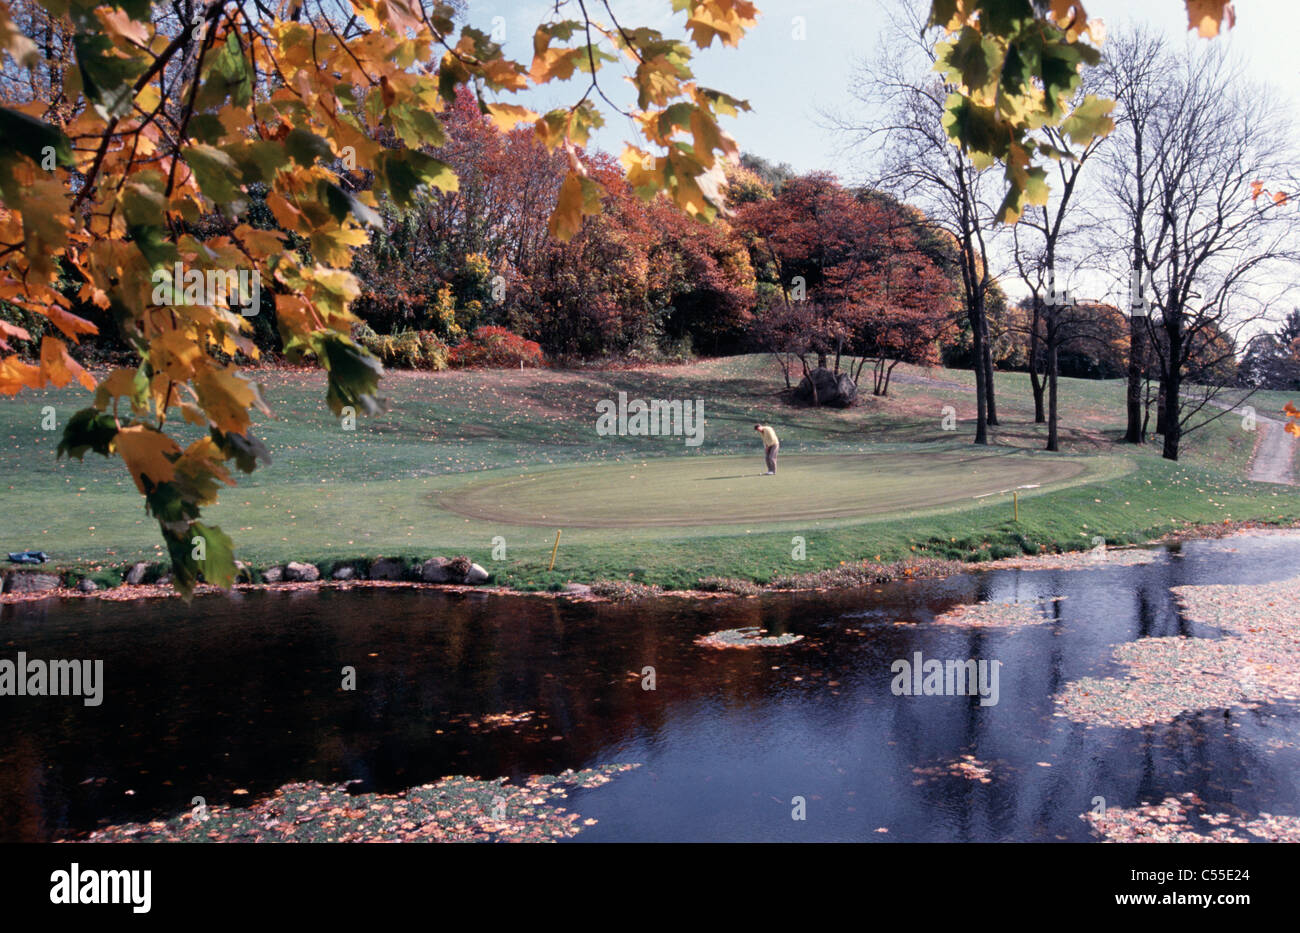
{"x":868,"y":289}
{"x":707,"y":278}
{"x":592,"y":295}
{"x":896,"y":303}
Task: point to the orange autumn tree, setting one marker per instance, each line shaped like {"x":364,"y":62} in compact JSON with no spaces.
{"x":128,"y":171}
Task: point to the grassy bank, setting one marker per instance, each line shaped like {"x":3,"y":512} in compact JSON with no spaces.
{"x":381,"y":490}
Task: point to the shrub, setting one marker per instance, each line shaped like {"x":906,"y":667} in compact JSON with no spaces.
{"x":433,"y":351}
{"x":106,"y":578}
{"x":495,"y":347}
{"x":623,"y":590}
{"x":728,"y":585}
{"x":410,"y":349}
{"x":363,"y":333}
{"x":868,"y":573}
{"x":406,"y":351}
{"x":440,"y":314}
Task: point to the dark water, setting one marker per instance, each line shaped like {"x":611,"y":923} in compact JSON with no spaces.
{"x":243,"y":693}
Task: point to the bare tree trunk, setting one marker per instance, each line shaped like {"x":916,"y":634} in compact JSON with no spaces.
{"x":889,"y":373}
{"x":784,"y":362}
{"x":1146,"y":407}
{"x":1170,"y":410}
{"x":1136,"y":433}
{"x":1035,"y":383}
{"x":1173,"y":384}
{"x":1053,"y":442}
{"x":981,"y":387}
{"x":988,"y":370}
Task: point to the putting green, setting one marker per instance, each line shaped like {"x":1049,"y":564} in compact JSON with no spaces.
{"x":693,"y":491}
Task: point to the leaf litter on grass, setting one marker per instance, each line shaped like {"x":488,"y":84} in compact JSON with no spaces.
{"x":455,"y":809}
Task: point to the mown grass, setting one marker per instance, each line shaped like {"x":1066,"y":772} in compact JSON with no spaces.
{"x":333,"y":495}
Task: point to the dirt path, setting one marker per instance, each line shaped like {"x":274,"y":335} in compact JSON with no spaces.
{"x":1274,"y":456}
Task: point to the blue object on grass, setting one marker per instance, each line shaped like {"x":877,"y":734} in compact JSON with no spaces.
{"x":28,"y":557}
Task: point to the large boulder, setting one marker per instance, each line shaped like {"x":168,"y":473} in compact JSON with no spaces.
{"x":344,"y":573}
{"x":387,"y":568}
{"x":296,"y":572}
{"x":135,"y":576}
{"x":31,"y":582}
{"x":454,"y":570}
{"x":438,"y":570}
{"x":272,"y":574}
{"x":86,"y":585}
{"x":836,"y":390}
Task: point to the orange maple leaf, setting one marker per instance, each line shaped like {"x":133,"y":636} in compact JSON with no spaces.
{"x":60,"y":368}
{"x":1206,"y":16}
{"x":145,"y":451}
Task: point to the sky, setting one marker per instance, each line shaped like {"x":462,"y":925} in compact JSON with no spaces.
{"x":788,"y":79}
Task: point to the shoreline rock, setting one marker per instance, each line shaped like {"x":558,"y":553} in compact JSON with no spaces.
{"x":390,"y":571}
{"x":387,"y":568}
{"x":436,"y":570}
{"x":296,"y":572}
{"x":19,"y":581}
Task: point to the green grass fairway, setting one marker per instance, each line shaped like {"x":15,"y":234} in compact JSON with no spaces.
{"x":463,"y":461}
{"x":688,"y":491}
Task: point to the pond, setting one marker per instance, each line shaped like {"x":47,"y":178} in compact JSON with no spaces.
{"x":234,"y":696}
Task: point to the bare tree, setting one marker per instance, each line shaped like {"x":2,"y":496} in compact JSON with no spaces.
{"x":1136,"y":71}
{"x":1196,"y":134}
{"x":900,"y":130}
{"x":1056,"y":317}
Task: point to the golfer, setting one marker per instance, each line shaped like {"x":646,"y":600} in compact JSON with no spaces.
{"x":771,"y":446}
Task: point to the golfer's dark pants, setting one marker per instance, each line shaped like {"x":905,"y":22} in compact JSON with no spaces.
{"x":771,"y":457}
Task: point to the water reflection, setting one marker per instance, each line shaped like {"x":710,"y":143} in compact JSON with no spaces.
{"x":243,"y":694}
